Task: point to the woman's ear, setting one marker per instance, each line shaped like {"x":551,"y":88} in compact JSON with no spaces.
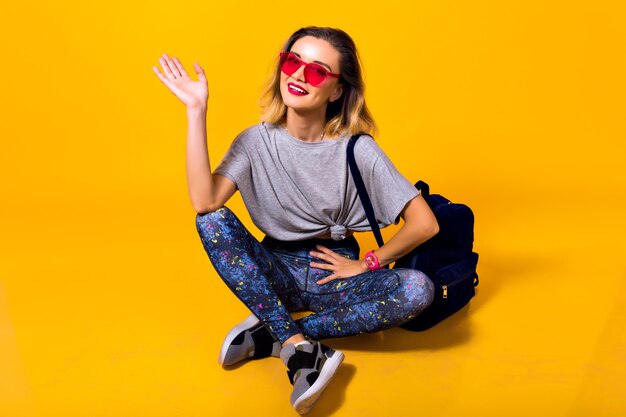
{"x":336,"y":94}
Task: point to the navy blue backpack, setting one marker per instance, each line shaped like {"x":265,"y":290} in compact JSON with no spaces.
{"x":447,"y":258}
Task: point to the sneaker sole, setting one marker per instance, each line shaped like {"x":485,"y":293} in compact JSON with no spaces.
{"x":305,"y":402}
{"x":249,"y":322}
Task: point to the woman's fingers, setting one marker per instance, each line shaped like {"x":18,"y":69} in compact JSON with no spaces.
{"x":167,"y":77}
{"x":200,"y":71}
{"x":325,"y":253}
{"x":158,"y":73}
{"x":175,"y":77}
{"x":327,"y":267}
{"x":174,"y":69}
{"x":172,"y":66}
{"x":166,"y":68}
{"x":180,"y":67}
{"x":327,"y":279}
{"x":321,"y":256}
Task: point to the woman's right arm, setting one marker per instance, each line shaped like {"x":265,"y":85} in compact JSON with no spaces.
{"x":207,"y":192}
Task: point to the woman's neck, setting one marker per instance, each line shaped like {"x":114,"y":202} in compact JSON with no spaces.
{"x":307,"y":128}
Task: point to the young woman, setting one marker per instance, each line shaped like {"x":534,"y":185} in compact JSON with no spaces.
{"x":292,"y":172}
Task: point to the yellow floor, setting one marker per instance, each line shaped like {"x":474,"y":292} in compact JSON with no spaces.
{"x":125,"y":318}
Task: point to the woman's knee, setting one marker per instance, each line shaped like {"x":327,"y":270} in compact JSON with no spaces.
{"x":217,"y":216}
{"x":222,"y":229}
{"x":215,"y":221}
{"x":211,"y":225}
{"x":418,"y":289}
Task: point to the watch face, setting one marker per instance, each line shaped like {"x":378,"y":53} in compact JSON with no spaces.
{"x":370,"y":261}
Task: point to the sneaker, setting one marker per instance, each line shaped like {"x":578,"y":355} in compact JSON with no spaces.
{"x":250,"y":339}
{"x":311,"y":368}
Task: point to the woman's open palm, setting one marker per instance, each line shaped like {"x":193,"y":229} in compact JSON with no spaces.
{"x":191,"y":93}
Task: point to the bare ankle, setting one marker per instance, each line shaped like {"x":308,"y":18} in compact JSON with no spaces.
{"x":296,"y":338}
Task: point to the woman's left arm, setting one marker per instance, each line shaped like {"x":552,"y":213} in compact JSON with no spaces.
{"x":419,"y":225}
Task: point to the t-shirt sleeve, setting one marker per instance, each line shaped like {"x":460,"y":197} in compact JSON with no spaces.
{"x":388,"y":189}
{"x":236,"y":162}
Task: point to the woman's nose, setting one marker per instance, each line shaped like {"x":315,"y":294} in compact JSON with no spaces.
{"x":299,"y":74}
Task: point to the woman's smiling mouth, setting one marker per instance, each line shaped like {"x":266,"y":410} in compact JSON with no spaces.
{"x":296,"y":90}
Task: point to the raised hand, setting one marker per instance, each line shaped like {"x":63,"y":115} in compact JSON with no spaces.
{"x":194,"y":94}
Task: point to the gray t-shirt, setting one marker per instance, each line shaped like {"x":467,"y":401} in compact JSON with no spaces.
{"x":296,"y":190}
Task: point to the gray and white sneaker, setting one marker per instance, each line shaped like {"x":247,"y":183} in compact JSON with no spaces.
{"x":250,"y":339}
{"x":311,"y":368}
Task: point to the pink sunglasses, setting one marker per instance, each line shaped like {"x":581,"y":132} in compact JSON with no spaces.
{"x":314,"y":74}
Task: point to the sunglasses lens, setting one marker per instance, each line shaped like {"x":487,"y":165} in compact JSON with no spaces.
{"x":290,"y":64}
{"x":315,"y":74}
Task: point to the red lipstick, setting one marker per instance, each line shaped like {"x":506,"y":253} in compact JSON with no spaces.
{"x":296,"y":90}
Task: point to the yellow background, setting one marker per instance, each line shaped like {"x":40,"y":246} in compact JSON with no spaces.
{"x":109,"y":305}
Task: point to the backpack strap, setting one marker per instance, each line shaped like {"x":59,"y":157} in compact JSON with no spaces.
{"x":362,"y":191}
{"x":423,"y":187}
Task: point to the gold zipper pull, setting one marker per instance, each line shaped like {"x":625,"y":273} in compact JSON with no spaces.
{"x":445,"y":291}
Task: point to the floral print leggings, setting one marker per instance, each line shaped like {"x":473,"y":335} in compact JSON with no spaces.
{"x":273,"y":278}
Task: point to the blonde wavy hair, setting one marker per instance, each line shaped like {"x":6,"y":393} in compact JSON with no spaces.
{"x":345,"y":116}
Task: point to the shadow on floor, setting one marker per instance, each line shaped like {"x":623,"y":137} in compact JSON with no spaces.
{"x":456,"y":329}
{"x":329,"y":404}
{"x":453,"y":331}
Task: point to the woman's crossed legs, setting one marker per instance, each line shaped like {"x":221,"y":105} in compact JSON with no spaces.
{"x":274,"y":278}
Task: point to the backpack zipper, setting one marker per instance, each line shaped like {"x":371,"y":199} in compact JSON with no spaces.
{"x":444,"y":288}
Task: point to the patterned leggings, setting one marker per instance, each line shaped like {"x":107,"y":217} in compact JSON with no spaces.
{"x":274,"y":278}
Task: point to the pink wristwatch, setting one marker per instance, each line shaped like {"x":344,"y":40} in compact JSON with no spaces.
{"x":371,"y":260}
